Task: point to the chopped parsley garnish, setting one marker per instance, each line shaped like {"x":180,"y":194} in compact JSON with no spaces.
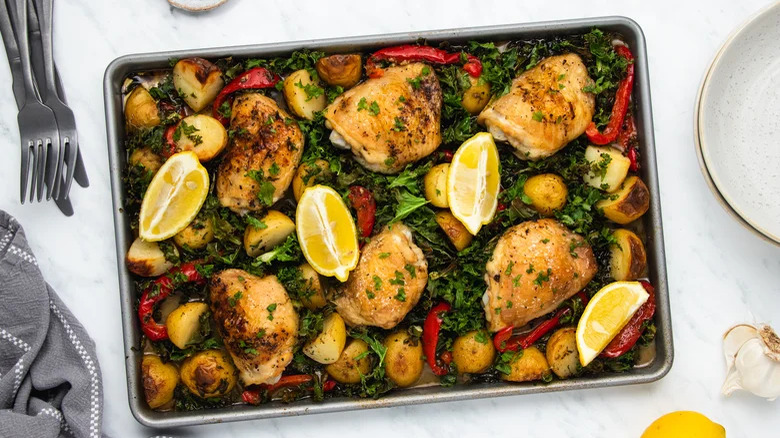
{"x":232,"y":301}
{"x":255,"y":223}
{"x":530,"y":269}
{"x":373,"y":108}
{"x":509,"y":267}
{"x":312,"y":90}
{"x":401,"y":295}
{"x":274,"y":169}
{"x":538,"y":116}
{"x":377,"y":282}
{"x":411,"y":270}
{"x":384,"y":255}
{"x":271,"y":308}
{"x":398,"y":125}
{"x":541,"y":277}
{"x":370,"y":294}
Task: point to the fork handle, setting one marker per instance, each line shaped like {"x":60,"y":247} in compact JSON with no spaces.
{"x":20,"y":19}
{"x":45,"y":14}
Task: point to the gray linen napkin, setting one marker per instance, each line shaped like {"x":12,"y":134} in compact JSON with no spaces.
{"x":50,"y":384}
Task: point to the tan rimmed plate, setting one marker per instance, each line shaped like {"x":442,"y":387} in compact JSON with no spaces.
{"x":737,"y":121}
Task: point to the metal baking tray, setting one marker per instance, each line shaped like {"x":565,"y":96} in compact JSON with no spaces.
{"x":120,"y":68}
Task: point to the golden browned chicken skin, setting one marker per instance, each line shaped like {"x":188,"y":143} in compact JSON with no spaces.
{"x":257,"y":322}
{"x":545,"y":108}
{"x":265,"y":139}
{"x":535,"y":266}
{"x":388,"y":281}
{"x":390,"y":121}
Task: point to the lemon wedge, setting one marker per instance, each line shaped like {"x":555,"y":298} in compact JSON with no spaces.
{"x":605,"y":315}
{"x":473,"y":182}
{"x":326,"y":232}
{"x":173,"y":198}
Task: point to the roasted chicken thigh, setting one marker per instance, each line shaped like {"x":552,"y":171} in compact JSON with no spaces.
{"x":389,"y":121}
{"x":257,"y":322}
{"x":535,"y":266}
{"x":545,"y":109}
{"x":266,"y":148}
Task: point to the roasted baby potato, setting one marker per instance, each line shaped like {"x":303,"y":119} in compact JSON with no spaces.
{"x":628,"y":258}
{"x":209,"y":373}
{"x":184,"y":323}
{"x":403,"y":359}
{"x":198,"y":82}
{"x":473,"y":352}
{"x":476,"y":96}
{"x":531,"y":365}
{"x":146,"y":158}
{"x":608,"y":167}
{"x":435,"y":183}
{"x":146,"y":259}
{"x":326,"y":348}
{"x":159,"y":381}
{"x":277,"y":228}
{"x":562,"y":353}
{"x":627,"y":204}
{"x":307,"y":176}
{"x":314,"y":293}
{"x":454,"y":229}
{"x":197,"y":235}
{"x":340,"y":70}
{"x":349,"y":368}
{"x":201,"y":134}
{"x":303,"y":95}
{"x":547,"y":192}
{"x":141,"y":110}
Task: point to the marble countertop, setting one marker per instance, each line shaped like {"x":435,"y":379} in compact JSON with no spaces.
{"x":719,"y":273}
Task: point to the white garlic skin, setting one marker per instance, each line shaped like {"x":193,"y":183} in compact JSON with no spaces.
{"x":751,"y":362}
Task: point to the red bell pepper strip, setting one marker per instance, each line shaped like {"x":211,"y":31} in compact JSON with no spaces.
{"x":169,"y":145}
{"x":363,"y":202}
{"x":447,"y":155}
{"x":252,"y":395}
{"x":622,"y":98}
{"x":503,"y":340}
{"x":255,"y":78}
{"x":430,"y":337}
{"x":164,"y":286}
{"x":633,"y":158}
{"x":473,"y":65}
{"x":630,"y":334}
{"x":626,"y":140}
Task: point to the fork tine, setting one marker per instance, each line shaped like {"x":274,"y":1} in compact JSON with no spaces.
{"x":51,"y":168}
{"x":33,"y":168}
{"x":61,"y":154}
{"x":25,"y":171}
{"x":71,"y":153}
{"x":41,"y":169}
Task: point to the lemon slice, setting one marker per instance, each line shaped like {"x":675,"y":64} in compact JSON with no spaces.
{"x":605,"y":315}
{"x":173,"y":198}
{"x":473,"y":181}
{"x":326,"y":232}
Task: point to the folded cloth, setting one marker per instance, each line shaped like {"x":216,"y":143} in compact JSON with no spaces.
{"x":50,"y":381}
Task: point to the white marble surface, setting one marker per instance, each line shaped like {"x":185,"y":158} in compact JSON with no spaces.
{"x":719,"y":273}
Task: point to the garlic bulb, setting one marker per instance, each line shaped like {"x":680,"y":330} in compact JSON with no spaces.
{"x":753,"y":361}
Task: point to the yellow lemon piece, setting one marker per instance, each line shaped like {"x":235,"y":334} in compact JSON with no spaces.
{"x":473,"y":182}
{"x":326,"y":232}
{"x":684,"y":424}
{"x":605,"y":315}
{"x":174,"y":197}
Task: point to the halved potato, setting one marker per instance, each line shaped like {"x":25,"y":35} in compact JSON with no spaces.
{"x":198,"y":82}
{"x":340,"y":70}
{"x":630,"y":202}
{"x":532,"y":365}
{"x":326,"y":348}
{"x":209,"y":373}
{"x":203,"y":135}
{"x":476,"y":97}
{"x":315,"y":297}
{"x":403,"y":359}
{"x":197,"y":235}
{"x":547,"y":191}
{"x":454,"y":229}
{"x":308,"y":174}
{"x":608,"y":167}
{"x":146,"y":158}
{"x":146,"y":259}
{"x":349,"y":368}
{"x":304,"y":97}
{"x":277,"y":228}
{"x":184,"y":323}
{"x":159,"y":381}
{"x":562,"y":353}
{"x":435,"y":183}
{"x":141,"y":110}
{"x":473,"y":352}
{"x":628,"y":258}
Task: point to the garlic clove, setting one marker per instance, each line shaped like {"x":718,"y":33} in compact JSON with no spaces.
{"x":733,"y":340}
{"x":771,"y":342}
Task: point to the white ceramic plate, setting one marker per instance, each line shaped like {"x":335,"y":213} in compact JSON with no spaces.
{"x":739,"y":122}
{"x":196,"y":5}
